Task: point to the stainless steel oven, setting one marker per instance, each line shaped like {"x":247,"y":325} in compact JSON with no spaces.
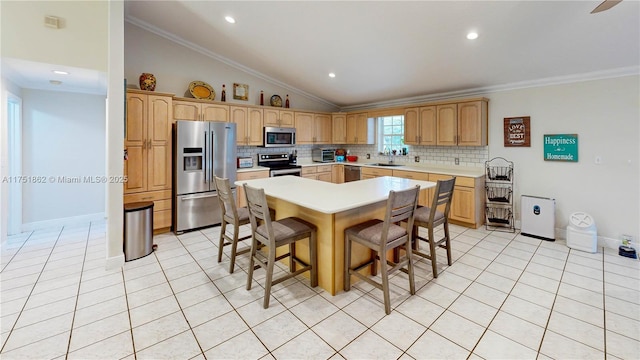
{"x":280,"y":164}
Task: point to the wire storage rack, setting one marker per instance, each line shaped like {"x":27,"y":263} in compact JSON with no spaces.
{"x":499,"y":195}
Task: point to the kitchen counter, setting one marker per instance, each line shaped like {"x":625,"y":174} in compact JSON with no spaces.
{"x":467,"y":171}
{"x":332,"y":208}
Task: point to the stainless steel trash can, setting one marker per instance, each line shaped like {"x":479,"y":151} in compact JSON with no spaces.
{"x":138,"y":230}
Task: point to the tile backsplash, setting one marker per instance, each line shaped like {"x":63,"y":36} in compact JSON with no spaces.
{"x":442,"y":155}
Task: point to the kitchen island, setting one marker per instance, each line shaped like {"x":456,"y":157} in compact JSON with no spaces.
{"x":332,"y":208}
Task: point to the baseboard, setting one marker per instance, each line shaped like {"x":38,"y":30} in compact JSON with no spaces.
{"x":73,"y":220}
{"x":115,"y":262}
{"x":603,"y":241}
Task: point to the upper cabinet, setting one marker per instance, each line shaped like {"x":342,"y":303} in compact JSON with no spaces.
{"x":360,"y":129}
{"x":420,"y":126}
{"x":339,"y":124}
{"x":279,"y":118}
{"x":313,"y":128}
{"x":447,"y":124}
{"x":199,"y":110}
{"x":248,"y":125}
{"x":473,"y":123}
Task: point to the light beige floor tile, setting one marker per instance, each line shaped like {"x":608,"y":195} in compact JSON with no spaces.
{"x":577,"y":330}
{"x":464,"y":270}
{"x":16,"y":293}
{"x":293,"y":295}
{"x":420,"y":310}
{"x":145,"y":282}
{"x":230,"y":282}
{"x":578,"y":310}
{"x":582,"y":295}
{"x":624,"y":347}
{"x":518,"y":253}
{"x":560,"y":347}
{"x":279,"y":330}
{"x":342,"y":298}
{"x":13,"y":306}
{"x":542,"y":270}
{"x":623,"y":325}
{"x":592,"y":261}
{"x":101,"y":282}
{"x":497,"y":282}
{"x":181,"y":346}
{"x":621,"y":307}
{"x":532,"y":294}
{"x":140,"y":271}
{"x":243,"y":346}
{"x":98,"y":296}
{"x":473,"y":310}
{"x":182,"y":270}
{"x":47,"y":311}
{"x":399,"y":330}
{"x":48,"y":348}
{"x":369,"y":345}
{"x":241,"y":296}
{"x":432,"y":345}
{"x":452,"y":281}
{"x":483,"y":253}
{"x":622,"y":293}
{"x":438,"y":294}
{"x":583,"y":270}
{"x":511,"y":261}
{"x":504,"y":270}
{"x":313,"y":310}
{"x":307,"y":345}
{"x":475,"y":261}
{"x":159,"y":330}
{"x":496,"y":346}
{"x":583,"y":282}
{"x":486,"y":294}
{"x":38,"y":331}
{"x":197,"y":294}
{"x":449,"y":325}
{"x":517,"y":329}
{"x":526,"y":310}
{"x":206,"y":310}
{"x":153,"y":311}
{"x":539,"y":282}
{"x":339,"y":329}
{"x":115,"y":347}
{"x":147,"y":295}
{"x":48,"y":297}
{"x":99,"y":330}
{"x":254,"y":312}
{"x":100,"y":311}
{"x":219,"y":330}
{"x":366,"y":310}
{"x":552,"y":262}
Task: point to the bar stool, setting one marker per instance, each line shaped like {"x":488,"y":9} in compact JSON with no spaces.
{"x":382,"y":236}
{"x":430,"y":218}
{"x":274,"y":234}
{"x":231,"y":215}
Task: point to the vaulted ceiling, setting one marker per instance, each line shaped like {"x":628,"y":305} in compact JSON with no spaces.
{"x":386,"y":50}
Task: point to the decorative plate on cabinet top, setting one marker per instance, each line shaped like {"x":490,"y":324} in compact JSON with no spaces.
{"x":201,"y":90}
{"x":276,"y":100}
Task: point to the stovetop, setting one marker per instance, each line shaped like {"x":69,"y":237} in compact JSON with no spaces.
{"x":277,"y":161}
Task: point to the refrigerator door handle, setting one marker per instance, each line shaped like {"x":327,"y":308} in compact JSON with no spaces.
{"x":211,"y":172}
{"x":194,"y":197}
{"x":204,"y":168}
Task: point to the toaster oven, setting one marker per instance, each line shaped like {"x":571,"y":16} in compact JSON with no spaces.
{"x":323,"y":155}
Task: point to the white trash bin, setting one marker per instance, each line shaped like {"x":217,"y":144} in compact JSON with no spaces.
{"x":581,"y":232}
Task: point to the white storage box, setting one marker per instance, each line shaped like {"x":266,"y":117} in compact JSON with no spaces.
{"x":581,"y":233}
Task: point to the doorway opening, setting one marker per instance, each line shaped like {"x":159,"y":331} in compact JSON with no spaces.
{"x":14,"y":179}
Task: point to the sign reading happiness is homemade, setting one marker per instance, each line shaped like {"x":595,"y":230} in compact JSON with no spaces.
{"x":561,"y":147}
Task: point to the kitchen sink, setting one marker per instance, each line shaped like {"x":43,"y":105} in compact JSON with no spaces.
{"x":384,"y":164}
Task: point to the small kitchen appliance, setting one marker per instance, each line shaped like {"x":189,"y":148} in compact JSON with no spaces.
{"x":279,"y":137}
{"x":323,"y":155}
{"x":245,"y":162}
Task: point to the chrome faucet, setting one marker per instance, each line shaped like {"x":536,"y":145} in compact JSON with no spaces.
{"x":392,"y":155}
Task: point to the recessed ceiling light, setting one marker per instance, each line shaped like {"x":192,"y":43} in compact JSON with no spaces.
{"x":332,"y":75}
{"x":60,"y":72}
{"x":230,"y":19}
{"x":472,"y":35}
{"x":55,"y":82}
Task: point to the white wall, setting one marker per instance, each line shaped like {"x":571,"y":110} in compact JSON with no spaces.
{"x":63,"y":136}
{"x":175,"y":66}
{"x":605,"y":114}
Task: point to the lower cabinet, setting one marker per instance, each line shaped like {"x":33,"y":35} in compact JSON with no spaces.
{"x":247,"y":175}
{"x":372,"y":172}
{"x":320,"y":172}
{"x":337,"y":174}
{"x":161,"y":207}
{"x":425,"y":196}
{"x":467,"y":205}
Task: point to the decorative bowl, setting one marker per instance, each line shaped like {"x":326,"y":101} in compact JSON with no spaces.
{"x":352,"y":158}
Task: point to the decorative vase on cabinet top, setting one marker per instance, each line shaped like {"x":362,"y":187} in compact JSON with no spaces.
{"x":147,"y":82}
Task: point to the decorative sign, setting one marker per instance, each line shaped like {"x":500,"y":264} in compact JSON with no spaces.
{"x":240,"y":91}
{"x":517,"y":132}
{"x":561,"y":147}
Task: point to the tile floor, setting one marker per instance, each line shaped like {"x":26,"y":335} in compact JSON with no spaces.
{"x":505,"y":297}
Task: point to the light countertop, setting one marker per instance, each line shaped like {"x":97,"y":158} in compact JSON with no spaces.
{"x":332,"y":198}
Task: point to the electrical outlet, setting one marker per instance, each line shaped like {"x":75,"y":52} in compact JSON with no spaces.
{"x":457,"y":161}
{"x":416,"y":159}
{"x":368,"y":156}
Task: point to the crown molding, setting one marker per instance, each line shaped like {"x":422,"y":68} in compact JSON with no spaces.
{"x":482,"y":91}
{"x":178,"y":40}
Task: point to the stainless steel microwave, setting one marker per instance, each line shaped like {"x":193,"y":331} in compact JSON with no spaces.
{"x":279,"y":137}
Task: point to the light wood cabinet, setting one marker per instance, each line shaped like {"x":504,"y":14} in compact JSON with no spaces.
{"x":312,"y":128}
{"x":148,"y":147}
{"x":447,"y":124}
{"x":425,"y":195}
{"x":467,"y":205}
{"x":373,"y":172}
{"x":420,"y":126}
{"x":199,"y":110}
{"x":279,"y":118}
{"x":337,"y":174}
{"x":248,"y":125}
{"x":473,"y":123}
{"x":241,"y":199}
{"x":339,"y":128}
{"x":360,"y":129}
{"x":320,"y":172}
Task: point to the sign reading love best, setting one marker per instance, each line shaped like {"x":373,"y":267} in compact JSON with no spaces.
{"x":561,"y":147}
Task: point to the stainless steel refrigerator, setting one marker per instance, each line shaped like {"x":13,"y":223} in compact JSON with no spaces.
{"x":202,"y":150}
